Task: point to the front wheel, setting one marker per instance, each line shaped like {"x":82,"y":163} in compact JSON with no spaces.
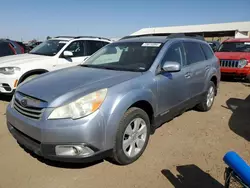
{"x":30,"y":78}
{"x":208,"y":100}
{"x":132,"y":136}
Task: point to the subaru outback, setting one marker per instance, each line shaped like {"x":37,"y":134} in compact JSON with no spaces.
{"x":114,"y":101}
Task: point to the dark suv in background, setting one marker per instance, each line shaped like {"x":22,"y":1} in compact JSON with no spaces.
{"x":9,"y":47}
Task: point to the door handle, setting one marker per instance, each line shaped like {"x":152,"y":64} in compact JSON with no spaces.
{"x":188,"y":75}
{"x":207,"y":67}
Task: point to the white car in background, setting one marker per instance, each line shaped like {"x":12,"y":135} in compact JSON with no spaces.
{"x":53,"y":54}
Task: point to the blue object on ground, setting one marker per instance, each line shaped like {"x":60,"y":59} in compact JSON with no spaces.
{"x":238,"y":165}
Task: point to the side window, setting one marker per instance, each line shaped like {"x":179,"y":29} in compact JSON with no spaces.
{"x":174,"y":53}
{"x":193,"y":52}
{"x":77,"y":48}
{"x":207,"y":50}
{"x":93,"y":46}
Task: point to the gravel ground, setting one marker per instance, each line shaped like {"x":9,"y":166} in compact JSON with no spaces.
{"x":186,"y":152}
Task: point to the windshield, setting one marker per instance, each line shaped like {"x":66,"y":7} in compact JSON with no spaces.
{"x":235,"y":47}
{"x":49,"y":47}
{"x":127,"y":56}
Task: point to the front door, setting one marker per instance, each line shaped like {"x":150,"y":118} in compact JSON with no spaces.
{"x":78,"y":48}
{"x":172,"y":87}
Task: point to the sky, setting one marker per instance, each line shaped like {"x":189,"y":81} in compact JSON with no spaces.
{"x":37,"y":19}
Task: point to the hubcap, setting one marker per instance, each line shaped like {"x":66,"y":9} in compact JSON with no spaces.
{"x":134,"y":137}
{"x":210,"y":96}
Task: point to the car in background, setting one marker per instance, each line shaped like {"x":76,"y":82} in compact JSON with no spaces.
{"x":32,"y":45}
{"x":214,"y":45}
{"x":234,"y":56}
{"x":53,"y":54}
{"x":9,"y":47}
{"x":115,"y":100}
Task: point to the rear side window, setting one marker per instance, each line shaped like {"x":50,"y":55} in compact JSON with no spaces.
{"x":5,"y":49}
{"x":93,"y":46}
{"x":193,"y":52}
{"x":207,"y":51}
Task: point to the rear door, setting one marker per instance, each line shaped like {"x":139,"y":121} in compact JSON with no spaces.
{"x":196,"y":63}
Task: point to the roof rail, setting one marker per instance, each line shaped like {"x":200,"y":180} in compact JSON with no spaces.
{"x":91,"y":37}
{"x":186,"y":35}
{"x":64,"y":37}
{"x":145,"y":35}
{"x":169,"y":36}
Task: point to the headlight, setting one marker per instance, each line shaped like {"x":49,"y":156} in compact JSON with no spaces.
{"x":9,"y":70}
{"x":81,"y":107}
{"x":242,"y":63}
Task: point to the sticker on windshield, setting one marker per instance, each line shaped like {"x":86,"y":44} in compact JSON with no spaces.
{"x":151,"y":44}
{"x":247,"y":43}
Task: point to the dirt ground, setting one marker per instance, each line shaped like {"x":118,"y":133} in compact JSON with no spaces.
{"x":186,"y":152}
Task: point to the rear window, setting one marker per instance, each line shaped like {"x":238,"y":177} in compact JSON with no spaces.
{"x":5,"y":49}
{"x":208,"y":51}
{"x":235,"y":47}
{"x":194,"y":52}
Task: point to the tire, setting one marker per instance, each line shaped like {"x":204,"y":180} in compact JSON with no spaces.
{"x":205,"y":106}
{"x":121,"y":151}
{"x":30,"y":77}
{"x":248,"y":78}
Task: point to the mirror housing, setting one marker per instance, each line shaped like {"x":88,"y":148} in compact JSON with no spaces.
{"x":171,"y":66}
{"x":67,"y":54}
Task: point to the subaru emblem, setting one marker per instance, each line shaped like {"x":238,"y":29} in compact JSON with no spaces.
{"x":24,"y":102}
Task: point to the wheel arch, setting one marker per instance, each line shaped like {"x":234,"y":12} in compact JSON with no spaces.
{"x":140,"y":98}
{"x":31,"y":72}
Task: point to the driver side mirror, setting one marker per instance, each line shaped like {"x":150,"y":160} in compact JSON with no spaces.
{"x":67,"y":54}
{"x":171,"y":66}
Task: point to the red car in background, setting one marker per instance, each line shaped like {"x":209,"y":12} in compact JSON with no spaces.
{"x":9,"y":47}
{"x":234,"y":56}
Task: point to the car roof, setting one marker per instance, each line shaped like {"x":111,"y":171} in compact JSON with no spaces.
{"x":162,"y":38}
{"x":238,"y":40}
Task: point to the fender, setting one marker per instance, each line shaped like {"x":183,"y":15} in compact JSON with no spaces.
{"x":212,"y":72}
{"x":120,"y":105}
{"x":35,"y":71}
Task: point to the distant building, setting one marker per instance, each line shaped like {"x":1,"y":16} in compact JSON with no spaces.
{"x":209,"y":31}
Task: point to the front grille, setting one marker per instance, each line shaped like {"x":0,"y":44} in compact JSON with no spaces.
{"x":30,"y":112}
{"x":229,"y":63}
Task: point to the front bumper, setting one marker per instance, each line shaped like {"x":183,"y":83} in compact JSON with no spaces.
{"x":238,"y":72}
{"x":8,"y":83}
{"x":42,"y":136}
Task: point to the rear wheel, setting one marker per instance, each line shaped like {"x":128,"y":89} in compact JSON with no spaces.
{"x":208,"y":99}
{"x":132,"y":136}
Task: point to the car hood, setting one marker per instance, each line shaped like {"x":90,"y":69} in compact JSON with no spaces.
{"x":15,"y":60}
{"x":233,"y":55}
{"x":67,"y":84}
